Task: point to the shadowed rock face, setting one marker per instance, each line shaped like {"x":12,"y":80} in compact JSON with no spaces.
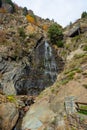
{"x":31,"y":74}
{"x":41,"y":74}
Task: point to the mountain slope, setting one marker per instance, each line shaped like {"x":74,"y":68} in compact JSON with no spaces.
{"x":54,"y":108}
{"x":49,"y":111}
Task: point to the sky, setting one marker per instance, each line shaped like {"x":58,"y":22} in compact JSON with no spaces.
{"x":62,"y":11}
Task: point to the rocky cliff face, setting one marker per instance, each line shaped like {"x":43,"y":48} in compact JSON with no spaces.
{"x":55,"y":107}
{"x":31,"y":74}
{"x":29,"y":64}
{"x":27,"y":61}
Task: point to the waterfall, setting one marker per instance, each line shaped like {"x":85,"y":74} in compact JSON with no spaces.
{"x":44,"y":73}
{"x":41,"y":73}
{"x":49,"y":62}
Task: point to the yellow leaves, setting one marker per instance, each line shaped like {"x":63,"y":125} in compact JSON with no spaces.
{"x":31,"y":19}
{"x":45,"y":27}
{"x":11,"y":98}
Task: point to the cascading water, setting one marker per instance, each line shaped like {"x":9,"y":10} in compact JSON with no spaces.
{"x":41,"y":73}
{"x":49,"y":63}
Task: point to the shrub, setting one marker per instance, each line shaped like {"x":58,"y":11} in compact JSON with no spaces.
{"x":55,"y":34}
{"x":32,"y":35}
{"x":21,"y":32}
{"x":85,"y":86}
{"x":11,"y":98}
{"x":84,"y":14}
{"x":31,"y":19}
{"x":85,"y":48}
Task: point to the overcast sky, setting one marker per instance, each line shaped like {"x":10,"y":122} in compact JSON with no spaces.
{"x":62,"y":11}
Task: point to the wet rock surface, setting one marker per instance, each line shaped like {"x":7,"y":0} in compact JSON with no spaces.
{"x":31,"y":74}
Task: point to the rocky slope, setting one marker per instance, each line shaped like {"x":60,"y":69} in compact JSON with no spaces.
{"x":49,"y":111}
{"x":25,"y":70}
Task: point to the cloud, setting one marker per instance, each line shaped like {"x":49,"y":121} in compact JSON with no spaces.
{"x":62,"y":11}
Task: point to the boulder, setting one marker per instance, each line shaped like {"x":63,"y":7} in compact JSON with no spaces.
{"x":8,"y":116}
{"x":74,"y":31}
{"x":39,"y":114}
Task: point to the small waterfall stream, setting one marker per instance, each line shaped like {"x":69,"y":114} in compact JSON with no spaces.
{"x":41,"y":73}
{"x":44,"y":72}
{"x":49,"y":62}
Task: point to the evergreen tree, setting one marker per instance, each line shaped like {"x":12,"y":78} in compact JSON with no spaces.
{"x":84,"y":14}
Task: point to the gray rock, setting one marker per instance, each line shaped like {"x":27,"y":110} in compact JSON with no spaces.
{"x":37,"y":115}
{"x":74,"y":31}
{"x":70,"y":105}
{"x":8,"y":7}
{"x":9,"y":89}
{"x":33,"y":124}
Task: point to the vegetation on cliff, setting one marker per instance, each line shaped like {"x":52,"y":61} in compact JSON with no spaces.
{"x":56,"y":35}
{"x":84,"y":14}
{"x":19,"y":35}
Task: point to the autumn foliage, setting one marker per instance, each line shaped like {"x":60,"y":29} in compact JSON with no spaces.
{"x":31,"y":19}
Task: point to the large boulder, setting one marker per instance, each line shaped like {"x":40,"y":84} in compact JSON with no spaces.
{"x":38,"y":115}
{"x":8,"y":116}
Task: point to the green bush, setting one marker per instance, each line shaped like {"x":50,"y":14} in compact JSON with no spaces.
{"x":9,"y":2}
{"x":85,"y":86}
{"x":21,"y":32}
{"x":85,"y":48}
{"x":84,"y":14}
{"x":55,"y":34}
